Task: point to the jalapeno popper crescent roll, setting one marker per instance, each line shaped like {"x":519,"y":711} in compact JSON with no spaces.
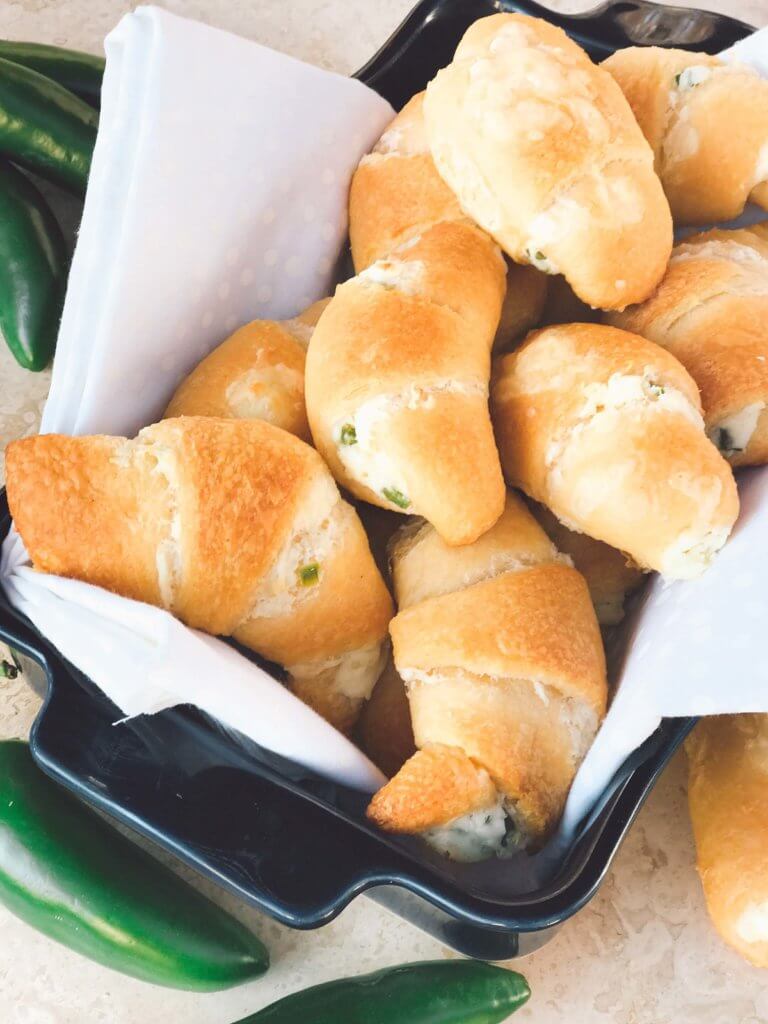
{"x":542,"y":151}
{"x":711,"y":312}
{"x":398,"y":367}
{"x":605,"y":429}
{"x":257,"y":373}
{"x":500,"y":650}
{"x":234,"y":526}
{"x":707,"y":123}
{"x":728,"y":798}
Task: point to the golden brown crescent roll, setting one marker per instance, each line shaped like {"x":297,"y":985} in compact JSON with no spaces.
{"x":707,"y":123}
{"x":257,"y":373}
{"x":728,"y":798}
{"x":398,"y":367}
{"x":385,"y":730}
{"x":234,"y":526}
{"x":500,"y":650}
{"x":605,"y":429}
{"x":711,"y":311}
{"x":542,"y":151}
{"x":610,"y":576}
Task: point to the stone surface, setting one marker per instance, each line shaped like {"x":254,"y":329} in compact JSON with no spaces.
{"x":642,"y":951}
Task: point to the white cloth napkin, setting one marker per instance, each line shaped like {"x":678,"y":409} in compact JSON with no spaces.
{"x":218,"y":194}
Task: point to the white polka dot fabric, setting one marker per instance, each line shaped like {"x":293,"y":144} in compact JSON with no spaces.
{"x":217,"y":195}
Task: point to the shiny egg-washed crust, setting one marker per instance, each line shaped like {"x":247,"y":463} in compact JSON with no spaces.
{"x":642,"y":477}
{"x":256,"y":373}
{"x":224,"y":494}
{"x":709,"y":140}
{"x":424,"y":350}
{"x":610,"y":576}
{"x":385,"y":730}
{"x":542,"y":151}
{"x":424,"y":566}
{"x":711,"y":312}
{"x":434,"y":786}
{"x":511,"y":672}
{"x":728,"y":799}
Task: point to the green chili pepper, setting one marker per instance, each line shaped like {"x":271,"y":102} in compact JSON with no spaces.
{"x":81,"y":73}
{"x":67,"y":873}
{"x":309,"y":574}
{"x":441,"y":992}
{"x":348,"y":434}
{"x":33,"y":270}
{"x":45,"y":127}
{"x":396,"y":497}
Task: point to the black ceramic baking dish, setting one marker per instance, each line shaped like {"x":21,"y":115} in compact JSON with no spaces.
{"x":294,"y":845}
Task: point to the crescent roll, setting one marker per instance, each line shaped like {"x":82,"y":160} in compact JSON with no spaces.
{"x":605,"y":429}
{"x":610,"y":576}
{"x":499,"y":648}
{"x":542,"y":151}
{"x":707,"y":123}
{"x":398,"y":367}
{"x":385,"y":730}
{"x":234,"y":526}
{"x":257,"y":373}
{"x":711,"y":312}
{"x":728,"y":799}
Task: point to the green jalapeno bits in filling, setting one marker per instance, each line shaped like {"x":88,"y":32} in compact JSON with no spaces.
{"x":396,"y":497}
{"x":309,"y":574}
{"x":348,"y":434}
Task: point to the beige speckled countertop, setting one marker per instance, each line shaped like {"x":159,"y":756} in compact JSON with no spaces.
{"x":642,"y":952}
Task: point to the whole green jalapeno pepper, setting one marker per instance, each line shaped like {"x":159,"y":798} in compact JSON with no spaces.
{"x":45,"y":127}
{"x":439,"y":992}
{"x":81,"y":73}
{"x":66,"y":872}
{"x":33,"y":270}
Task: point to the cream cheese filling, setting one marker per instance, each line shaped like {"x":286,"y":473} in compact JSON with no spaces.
{"x":353,"y":673}
{"x":732,"y":435}
{"x":474,"y":836}
{"x":298,"y":567}
{"x":406,"y":276}
{"x":260,"y":392}
{"x":624,"y":391}
{"x":362,"y":438}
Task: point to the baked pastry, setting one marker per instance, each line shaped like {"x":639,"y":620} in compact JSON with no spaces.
{"x":707,"y":123}
{"x":610,"y":575}
{"x":398,"y":367}
{"x":711,"y":312}
{"x":728,"y":798}
{"x":542,"y":151}
{"x":501,"y":654}
{"x":605,"y":429}
{"x":257,"y":373}
{"x":385,"y":730}
{"x":234,"y":526}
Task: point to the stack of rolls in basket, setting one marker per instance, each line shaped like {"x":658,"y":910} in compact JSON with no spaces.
{"x":521,"y":164}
